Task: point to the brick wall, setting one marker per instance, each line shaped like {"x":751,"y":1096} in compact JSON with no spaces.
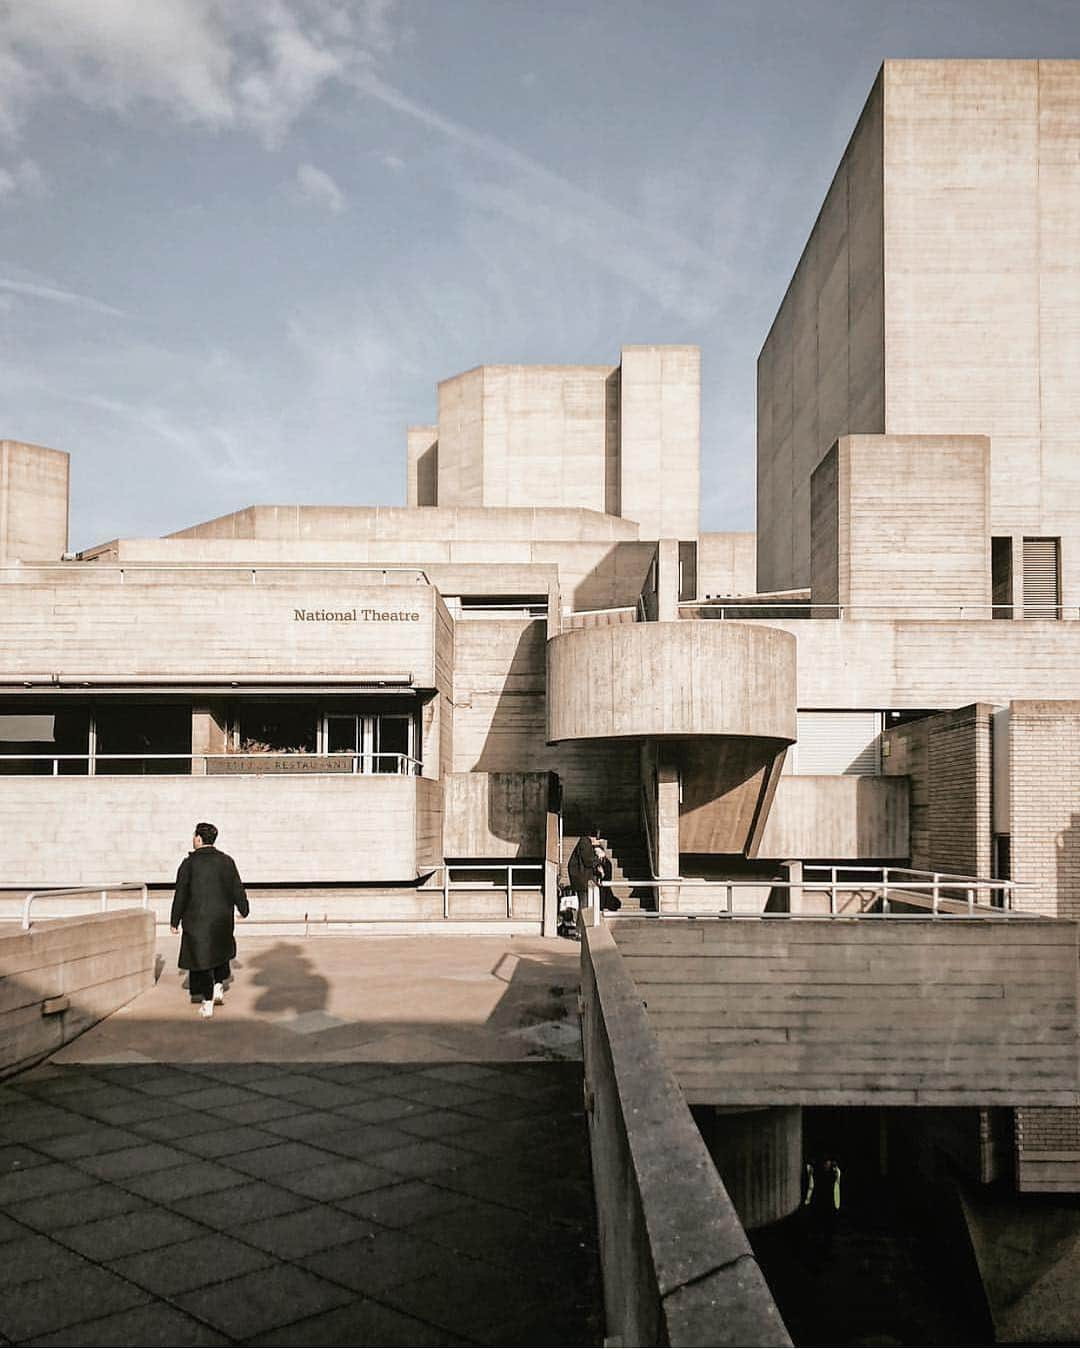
{"x":947,"y":759}
{"x":1048,"y":1150}
{"x":1044,"y":824}
{"x":1044,"y":813}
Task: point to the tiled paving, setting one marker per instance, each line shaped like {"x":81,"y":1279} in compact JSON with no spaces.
{"x":386,"y":1203}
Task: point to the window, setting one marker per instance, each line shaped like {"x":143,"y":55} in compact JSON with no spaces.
{"x":38,"y":739}
{"x":1042,"y":578}
{"x":347,"y":735}
{"x":1001,"y":577}
{"x":128,"y":735}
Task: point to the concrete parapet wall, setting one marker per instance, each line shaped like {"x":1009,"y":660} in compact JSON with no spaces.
{"x":70,"y":831}
{"x":118,"y":627}
{"x":497,"y":815}
{"x":677,"y":1265}
{"x":671,"y":679}
{"x":846,"y":816}
{"x":916,"y":663}
{"x":61,"y":977}
{"x":900,"y":1011}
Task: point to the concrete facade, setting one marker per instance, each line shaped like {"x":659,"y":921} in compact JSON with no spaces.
{"x":543,"y":642}
{"x":934,"y":298}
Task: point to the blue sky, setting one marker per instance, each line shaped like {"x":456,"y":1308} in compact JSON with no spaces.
{"x":241,"y":240}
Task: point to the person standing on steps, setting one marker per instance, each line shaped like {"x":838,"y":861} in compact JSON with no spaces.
{"x":586,"y":868}
{"x":208,"y":889}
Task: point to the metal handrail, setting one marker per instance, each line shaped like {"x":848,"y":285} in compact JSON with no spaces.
{"x":1056,"y":612}
{"x":119,"y":568}
{"x":509,"y":867}
{"x":103,"y":891}
{"x":934,"y":881}
{"x":406,"y":765}
{"x":879,"y":890}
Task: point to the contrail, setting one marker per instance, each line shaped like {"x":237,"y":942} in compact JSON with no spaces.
{"x":57,"y":296}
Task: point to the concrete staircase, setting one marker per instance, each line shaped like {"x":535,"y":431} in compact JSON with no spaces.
{"x":629,"y":858}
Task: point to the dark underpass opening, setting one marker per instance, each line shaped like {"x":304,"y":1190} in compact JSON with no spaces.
{"x":894,"y":1266}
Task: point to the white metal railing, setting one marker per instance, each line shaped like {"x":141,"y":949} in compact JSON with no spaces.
{"x":388,"y":764}
{"x":101,"y":891}
{"x":894,"y":883}
{"x":511,"y":869}
{"x":761,"y":609}
{"x":107,"y":568}
{"x":927,"y":896}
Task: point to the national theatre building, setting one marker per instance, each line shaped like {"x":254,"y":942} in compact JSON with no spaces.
{"x":404,"y":716}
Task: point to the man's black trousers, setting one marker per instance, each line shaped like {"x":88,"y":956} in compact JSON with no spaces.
{"x":201,"y":982}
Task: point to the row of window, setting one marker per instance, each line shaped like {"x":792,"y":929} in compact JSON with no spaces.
{"x":138,"y":736}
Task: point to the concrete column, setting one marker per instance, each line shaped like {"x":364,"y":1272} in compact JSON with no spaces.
{"x":550,"y":915}
{"x":759,"y":1156}
{"x":667,"y":580}
{"x":209,"y":730}
{"x":667,"y":820}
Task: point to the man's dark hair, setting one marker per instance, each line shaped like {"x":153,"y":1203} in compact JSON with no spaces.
{"x":207,"y":832}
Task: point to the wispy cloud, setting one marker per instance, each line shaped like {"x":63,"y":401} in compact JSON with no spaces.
{"x":255,"y":65}
{"x":664,"y":264}
{"x":24,"y":179}
{"x":315,"y":187}
{"x":55,"y":295}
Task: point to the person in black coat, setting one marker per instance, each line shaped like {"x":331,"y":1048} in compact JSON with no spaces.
{"x":208,"y":889}
{"x":586,"y":866}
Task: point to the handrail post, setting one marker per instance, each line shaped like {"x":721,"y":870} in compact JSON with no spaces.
{"x":885,"y":906}
{"x":445,"y":891}
{"x":971,"y":900}
{"x":833,"y":906}
{"x":104,"y":900}
{"x":937,"y":891}
{"x":730,"y":900}
{"x":510,"y":892}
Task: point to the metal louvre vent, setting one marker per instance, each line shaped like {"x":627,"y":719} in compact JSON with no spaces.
{"x":1042,"y":593}
{"x":838,"y":742}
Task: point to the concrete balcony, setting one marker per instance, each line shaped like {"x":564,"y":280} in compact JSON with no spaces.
{"x":304,"y":830}
{"x":671,"y":680}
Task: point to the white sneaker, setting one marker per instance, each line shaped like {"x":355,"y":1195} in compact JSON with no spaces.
{"x":219,"y":995}
{"x":207,"y":1009}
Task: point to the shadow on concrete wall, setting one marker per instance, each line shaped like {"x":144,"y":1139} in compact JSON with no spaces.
{"x":599,"y":780}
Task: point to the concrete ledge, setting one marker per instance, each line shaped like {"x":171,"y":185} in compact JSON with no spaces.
{"x":60,"y":977}
{"x":677,"y":1265}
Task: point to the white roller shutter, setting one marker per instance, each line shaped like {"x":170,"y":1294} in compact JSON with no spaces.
{"x":838,"y":742}
{"x":1041,"y":589}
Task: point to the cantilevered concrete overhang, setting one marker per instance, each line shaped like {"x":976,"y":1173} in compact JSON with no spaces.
{"x":715,"y":702}
{"x":671,"y":681}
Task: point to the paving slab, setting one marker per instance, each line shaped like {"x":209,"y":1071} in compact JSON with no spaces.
{"x":402,"y":1168}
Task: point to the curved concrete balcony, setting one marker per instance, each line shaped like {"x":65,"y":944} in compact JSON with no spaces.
{"x":671,"y":681}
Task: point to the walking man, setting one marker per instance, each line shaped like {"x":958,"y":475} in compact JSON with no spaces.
{"x":208,"y":888}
